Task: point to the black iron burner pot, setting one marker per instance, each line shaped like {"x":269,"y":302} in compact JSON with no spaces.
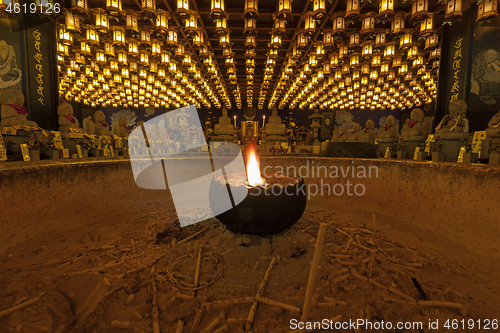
{"x":267,"y":209}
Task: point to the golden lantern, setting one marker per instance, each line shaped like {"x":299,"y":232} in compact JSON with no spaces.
{"x":379,"y":39}
{"x":179,"y":51}
{"x":109,"y":50}
{"x":183,"y":7}
{"x":343,"y":51}
{"x":364,"y":82}
{"x":72,"y":21}
{"x":279,"y":26}
{"x":384,"y":68}
{"x":386,"y":7}
{"x":100,"y":57}
{"x":352,"y":8}
{"x":161,"y":23}
{"x":122,"y":57}
{"x":101,"y":20}
{"x":191,"y":24}
{"x":198,"y":39}
{"x":62,"y":49}
{"x":284,"y":11}
{"x":376,"y":61}
{"x":301,"y":40}
{"x":419,"y":61}
{"x":131,"y":20}
{"x":217,"y":8}
{"x":390,"y":76}
{"x":320,"y":50}
{"x":221,"y":25}
{"x":319,"y":9}
{"x":328,"y":40}
{"x":77,"y":6}
{"x":354,"y":60}
{"x":224,"y":41}
{"x":155,"y":48}
{"x":92,"y":35}
{"x":365,"y":68}
{"x":389,"y":51}
{"x":148,"y":8}
{"x":113,"y":66}
{"x":250,"y":9}
{"x":153,"y":68}
{"x":65,"y":36}
{"x":172,"y":37}
{"x":326,"y":68}
{"x":453,"y":10}
{"x":133,"y":47}
{"x":486,"y":9}
{"x":250,"y":26}
{"x":368,"y":23}
{"x":114,"y":7}
{"x":250,"y":41}
{"x":338,"y":23}
{"x":145,"y":35}
{"x":398,"y":23}
{"x":426,"y":26}
{"x":397,"y":61}
{"x":309,"y":24}
{"x":432,"y":41}
{"x":313,"y":62}
{"x":405,"y":41}
{"x":118,"y":35}
{"x":419,"y":9}
{"x":412,"y":52}
{"x":435,"y":53}
{"x":354,"y":39}
{"x":275,"y":41}
{"x":403,"y":69}
{"x":367,"y":49}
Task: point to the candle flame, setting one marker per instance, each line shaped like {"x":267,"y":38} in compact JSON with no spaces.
{"x":253,"y":167}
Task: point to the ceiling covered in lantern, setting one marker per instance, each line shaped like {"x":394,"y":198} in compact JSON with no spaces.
{"x":276,"y":53}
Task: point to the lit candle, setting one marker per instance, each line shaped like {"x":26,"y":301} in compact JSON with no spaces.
{"x":263,"y":121}
{"x":234,"y":121}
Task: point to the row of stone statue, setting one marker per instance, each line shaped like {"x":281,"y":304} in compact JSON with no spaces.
{"x":453,"y":126}
{"x":13,"y":113}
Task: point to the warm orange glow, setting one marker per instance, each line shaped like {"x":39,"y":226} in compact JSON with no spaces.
{"x":253,"y":167}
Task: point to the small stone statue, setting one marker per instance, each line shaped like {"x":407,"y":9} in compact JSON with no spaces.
{"x":336,"y":134}
{"x":413,"y":129}
{"x":343,"y":134}
{"x":121,"y":129}
{"x":224,"y":127}
{"x":274,"y":125}
{"x":353,"y":134}
{"x":88,"y":126}
{"x":368,"y":133}
{"x":389,"y":132}
{"x":101,"y":127}
{"x":13,"y":113}
{"x":454,"y":126}
{"x":493,"y":130}
{"x":66,"y":119}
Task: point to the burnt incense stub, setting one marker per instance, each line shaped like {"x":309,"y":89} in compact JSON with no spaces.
{"x":267,"y":209}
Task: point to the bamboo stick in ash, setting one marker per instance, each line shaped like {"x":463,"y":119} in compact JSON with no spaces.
{"x":156,"y":322}
{"x":20,"y":306}
{"x":313,"y":273}
{"x":260,"y":291}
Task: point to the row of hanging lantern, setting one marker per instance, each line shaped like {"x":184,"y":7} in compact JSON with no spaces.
{"x":127,"y":60}
{"x":359,"y":49}
{"x":280,"y":18}
{"x":197,"y":34}
{"x":250,"y":16}
{"x":219,"y":16}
